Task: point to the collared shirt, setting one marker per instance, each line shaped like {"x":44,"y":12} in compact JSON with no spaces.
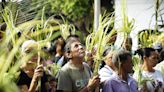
{"x":105,"y":73}
{"x":116,"y":84}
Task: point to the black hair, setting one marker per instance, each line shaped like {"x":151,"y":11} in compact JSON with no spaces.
{"x":56,"y":38}
{"x":144,"y":52}
{"x":54,"y":43}
{"x":3,"y":27}
{"x":130,"y":40}
{"x":120,"y":57}
{"x":67,"y":47}
{"x":106,"y":51}
{"x":161,"y":55}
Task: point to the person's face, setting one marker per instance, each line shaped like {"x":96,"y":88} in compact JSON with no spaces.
{"x":152,"y":60}
{"x":108,"y":59}
{"x":128,"y":44}
{"x":58,"y":48}
{"x":128,"y":65}
{"x":31,"y":64}
{"x":77,"y":50}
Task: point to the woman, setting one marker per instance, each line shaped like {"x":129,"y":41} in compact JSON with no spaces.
{"x":156,"y":80}
{"x":30,"y":72}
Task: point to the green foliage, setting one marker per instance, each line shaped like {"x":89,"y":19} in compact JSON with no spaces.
{"x":54,"y":68}
{"x":11,"y":56}
{"x":98,"y":40}
{"x":126,"y":26}
{"x":148,"y":37}
{"x":145,"y":39}
{"x":141,"y":81}
{"x":137,"y":62}
{"x":11,"y":59}
{"x":73,"y":9}
{"x":67,"y":30}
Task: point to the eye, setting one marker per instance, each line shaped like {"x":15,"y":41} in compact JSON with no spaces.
{"x":76,"y":45}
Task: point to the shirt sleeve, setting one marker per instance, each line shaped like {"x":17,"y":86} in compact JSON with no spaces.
{"x":64,"y":81}
{"x":107,"y":87}
{"x":134,"y":86}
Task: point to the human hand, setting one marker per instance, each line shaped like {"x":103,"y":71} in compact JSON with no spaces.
{"x":93,"y":83}
{"x":38,"y":73}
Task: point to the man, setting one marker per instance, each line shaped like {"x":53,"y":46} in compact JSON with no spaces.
{"x":121,"y":81}
{"x":75,"y":75}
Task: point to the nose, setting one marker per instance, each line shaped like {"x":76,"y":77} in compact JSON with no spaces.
{"x":81,"y":47}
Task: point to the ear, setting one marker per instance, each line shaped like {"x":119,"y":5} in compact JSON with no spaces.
{"x":69,"y":55}
{"x":145,"y":58}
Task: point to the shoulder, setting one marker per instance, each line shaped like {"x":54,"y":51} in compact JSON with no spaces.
{"x":159,"y":66}
{"x":158,"y":73}
{"x":85,"y":64}
{"x":108,"y":84}
{"x":111,"y":80}
{"x":132,"y":80}
{"x":66,"y":67}
{"x":105,"y":69}
{"x":23,"y":79}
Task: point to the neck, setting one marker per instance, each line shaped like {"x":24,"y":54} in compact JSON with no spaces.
{"x":29,"y":73}
{"x":77,"y":62}
{"x":112,"y":66}
{"x":123,"y":75}
{"x":58,"y":54}
{"x":146,"y":67}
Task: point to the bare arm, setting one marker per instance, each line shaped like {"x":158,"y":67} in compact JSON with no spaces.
{"x":37,"y":75}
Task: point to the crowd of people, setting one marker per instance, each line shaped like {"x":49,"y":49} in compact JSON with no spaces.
{"x":116,"y":72}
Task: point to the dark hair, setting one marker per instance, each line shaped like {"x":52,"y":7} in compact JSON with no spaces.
{"x":3,"y":26}
{"x":145,"y":52}
{"x":120,"y":57}
{"x":54,"y":43}
{"x":56,"y":38}
{"x":161,"y":55}
{"x":73,"y":37}
{"x":106,"y":51}
{"x":67,"y":47}
{"x":130,"y":40}
{"x":60,"y":41}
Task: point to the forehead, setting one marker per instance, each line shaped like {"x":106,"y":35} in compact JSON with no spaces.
{"x":75,"y":43}
{"x":154,"y":53}
{"x":110,"y":54}
{"x":129,"y":59}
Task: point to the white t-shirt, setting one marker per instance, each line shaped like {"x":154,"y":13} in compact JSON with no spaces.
{"x":157,"y":78}
{"x":160,"y":67}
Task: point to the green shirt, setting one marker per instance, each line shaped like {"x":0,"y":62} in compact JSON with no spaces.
{"x":72,"y":78}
